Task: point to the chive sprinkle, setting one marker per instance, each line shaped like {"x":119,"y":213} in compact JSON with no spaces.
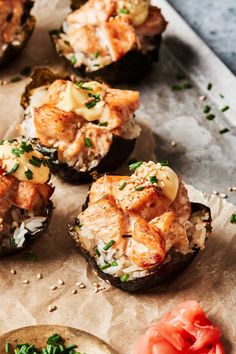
{"x":114,"y":264}
{"x":124,"y":278}
{"x":73,"y":60}
{"x":224,"y":130}
{"x":122,"y":185}
{"x":80,"y":84}
{"x":108,"y":245}
{"x":15,"y":79}
{"x":209,"y":86}
{"x":153,"y":179}
{"x":17,"y":151}
{"x":222,"y":96}
{"x":123,"y":11}
{"x":26,"y":147}
{"x":224,"y":109}
{"x":35,"y":161}
{"x":210,"y":117}
{"x":14,"y":169}
{"x":106,"y":266}
{"x":164,"y":163}
{"x":7,"y":347}
{"x":139,"y":188}
{"x":96,"y":55}
{"x":233,"y":219}
{"x":88,"y":143}
{"x":92,"y":103}
{"x":97,"y":252}
{"x":103,"y":124}
{"x":29,"y":174}
{"x":135,"y":165}
{"x":206,"y":109}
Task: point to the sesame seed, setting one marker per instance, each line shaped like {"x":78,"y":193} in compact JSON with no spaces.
{"x":25,"y":281}
{"x":202,"y":98}
{"x":95,"y":290}
{"x":215,"y":192}
{"x":61,"y":282}
{"x":13,"y":271}
{"x":78,"y":283}
{"x":52,"y":308}
{"x":39,"y":276}
{"x":173,"y":143}
{"x":82,"y":286}
{"x":232,"y":189}
{"x":223,"y":195}
{"x":74,"y":291}
{"x":53,"y":287}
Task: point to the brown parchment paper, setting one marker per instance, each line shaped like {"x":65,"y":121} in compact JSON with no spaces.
{"x":112,"y":315}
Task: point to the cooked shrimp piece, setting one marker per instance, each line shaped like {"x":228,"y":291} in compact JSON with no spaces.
{"x":55,"y":90}
{"x":53,"y":124}
{"x":106,"y":222}
{"x":174,"y":234}
{"x":154,"y":24}
{"x":181,"y":206}
{"x":148,"y":247}
{"x":146,"y":203}
{"x":30,"y":196}
{"x":93,"y":12}
{"x":11,"y":12}
{"x":106,"y":185}
{"x":121,"y":105}
{"x":120,"y":36}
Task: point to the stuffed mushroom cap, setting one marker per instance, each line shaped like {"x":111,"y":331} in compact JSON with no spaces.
{"x":25,"y":206}
{"x":16,"y":27}
{"x":115,"y":39}
{"x":84,"y":126}
{"x":141,"y":230}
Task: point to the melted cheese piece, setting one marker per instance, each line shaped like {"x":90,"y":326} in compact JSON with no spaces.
{"x":74,"y":99}
{"x":9,"y":161}
{"x":138,"y":10}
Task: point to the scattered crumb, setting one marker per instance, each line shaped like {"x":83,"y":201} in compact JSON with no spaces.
{"x":61,"y":282}
{"x":82,"y":286}
{"x":25,"y":282}
{"x":202,"y":98}
{"x":223,"y":195}
{"x":52,"y":308}
{"x":13,"y":271}
{"x":39,"y":276}
{"x":173,"y":143}
{"x":53,"y":287}
{"x":74,"y":291}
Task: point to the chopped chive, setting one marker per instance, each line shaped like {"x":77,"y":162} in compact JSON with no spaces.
{"x":26,"y":147}
{"x":164,"y":163}
{"x":233,"y":219}
{"x":124,"y":278}
{"x":26,"y":71}
{"x":80,"y":84}
{"x":29,"y":174}
{"x":15,"y":79}
{"x":1,"y":142}
{"x":103,"y":124}
{"x":14,"y":169}
{"x":206,"y":109}
{"x":223,"y":131}
{"x":187,"y":85}
{"x":54,"y":339}
{"x":30,"y":256}
{"x":140,"y":188}
{"x":97,"y":252}
{"x":93,"y":103}
{"x":35,"y":161}
{"x":73,"y":60}
{"x":210,"y":117}
{"x":123,"y":11}
{"x":114,"y":264}
{"x":153,"y":179}
{"x":88,"y":143}
{"x":106,"y":266}
{"x":7,"y":347}
{"x":96,"y":55}
{"x":222,"y":96}
{"x":108,"y":245}
{"x":17,"y":151}
{"x":224,"y":109}
{"x":135,"y":165}
{"x":209,"y":86}
{"x":122,"y":185}
{"x":176,"y":88}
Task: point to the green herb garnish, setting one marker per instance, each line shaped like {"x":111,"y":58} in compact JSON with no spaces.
{"x":206,"y":109}
{"x":7,"y":347}
{"x":108,"y":245}
{"x":153,"y":179}
{"x":114,"y":264}
{"x":103,"y":124}
{"x":123,"y":11}
{"x":14,"y":169}
{"x":233,"y":219}
{"x":187,"y":85}
{"x":73,"y":60}
{"x":80,"y":84}
{"x":122,"y":185}
{"x":135,"y":165}
{"x":88,"y":143}
{"x":106,"y":266}
{"x":164,"y":163}
{"x":209,"y":86}
{"x":124,"y":278}
{"x":17,"y":152}
{"x":140,"y":188}
{"x":222,"y":96}
{"x":210,"y":117}
{"x":26,"y":147}
{"x":224,"y":109}
{"x":29,"y":174}
{"x":96,"y":99}
{"x":1,"y":142}
{"x":224,"y":130}
{"x":96,"y":55}
{"x":97,"y":252}
{"x":35,"y":161}
{"x":15,"y":79}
